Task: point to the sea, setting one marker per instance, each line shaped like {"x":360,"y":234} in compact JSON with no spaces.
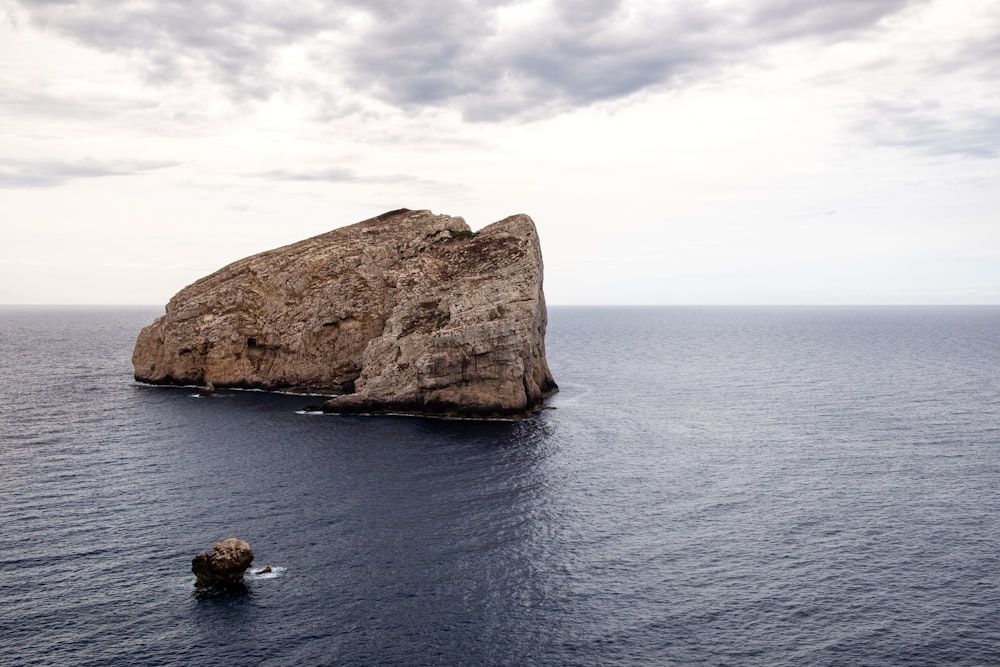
{"x":711,"y":486}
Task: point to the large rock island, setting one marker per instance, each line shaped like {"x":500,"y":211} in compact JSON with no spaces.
{"x":409,"y":312}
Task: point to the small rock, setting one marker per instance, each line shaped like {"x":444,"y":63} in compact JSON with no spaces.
{"x":225,"y":566}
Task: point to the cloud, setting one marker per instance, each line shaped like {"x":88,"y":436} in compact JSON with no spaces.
{"x":52,"y":105}
{"x":488,"y":59}
{"x":785,"y":19}
{"x":517,"y":60}
{"x":943,"y":100}
{"x":931,"y":127}
{"x":329,"y":175}
{"x":344,"y":175}
{"x":232,"y":40}
{"x":534,"y":59}
{"x":24,"y":174}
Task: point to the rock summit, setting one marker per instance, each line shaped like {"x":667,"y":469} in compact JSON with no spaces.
{"x":408,"y":312}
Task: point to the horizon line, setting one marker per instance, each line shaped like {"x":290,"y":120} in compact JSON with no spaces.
{"x":591,"y":305}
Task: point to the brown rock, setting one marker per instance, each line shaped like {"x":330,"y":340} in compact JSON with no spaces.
{"x":225,"y":566}
{"x":408,"y":312}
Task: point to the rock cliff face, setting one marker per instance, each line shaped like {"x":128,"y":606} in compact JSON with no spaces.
{"x":409,"y":312}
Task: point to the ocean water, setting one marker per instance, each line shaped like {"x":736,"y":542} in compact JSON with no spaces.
{"x":714,"y":486}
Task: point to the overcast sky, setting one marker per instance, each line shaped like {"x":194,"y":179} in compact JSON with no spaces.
{"x":677,"y":152}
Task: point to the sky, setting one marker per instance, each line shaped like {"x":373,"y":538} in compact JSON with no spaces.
{"x":672,"y":152}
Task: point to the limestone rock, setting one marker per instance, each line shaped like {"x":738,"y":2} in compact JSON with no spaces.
{"x":408,"y":312}
{"x":225,"y":566}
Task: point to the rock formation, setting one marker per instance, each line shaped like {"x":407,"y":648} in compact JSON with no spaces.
{"x":225,"y":566}
{"x":408,"y":312}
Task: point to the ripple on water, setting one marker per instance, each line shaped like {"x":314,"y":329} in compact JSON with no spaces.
{"x":733,"y":486}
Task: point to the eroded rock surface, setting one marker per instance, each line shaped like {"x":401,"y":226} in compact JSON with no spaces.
{"x":225,"y":566}
{"x":407,"y":312}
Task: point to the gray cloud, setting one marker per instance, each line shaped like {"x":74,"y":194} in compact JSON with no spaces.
{"x":784,"y":19}
{"x":931,"y":127}
{"x":24,"y":174}
{"x":577,"y":52}
{"x":479,"y":58}
{"x":329,"y":175}
{"x":947,"y":105}
{"x":472,"y":56}
{"x":52,"y":105}
{"x":233,"y":40}
{"x":343,"y":175}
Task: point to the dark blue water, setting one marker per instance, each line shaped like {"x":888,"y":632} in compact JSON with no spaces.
{"x":741,"y":486}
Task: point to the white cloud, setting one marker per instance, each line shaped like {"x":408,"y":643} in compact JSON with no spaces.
{"x":21,"y":174}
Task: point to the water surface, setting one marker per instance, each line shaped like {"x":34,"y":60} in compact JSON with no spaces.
{"x":745,"y":486}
